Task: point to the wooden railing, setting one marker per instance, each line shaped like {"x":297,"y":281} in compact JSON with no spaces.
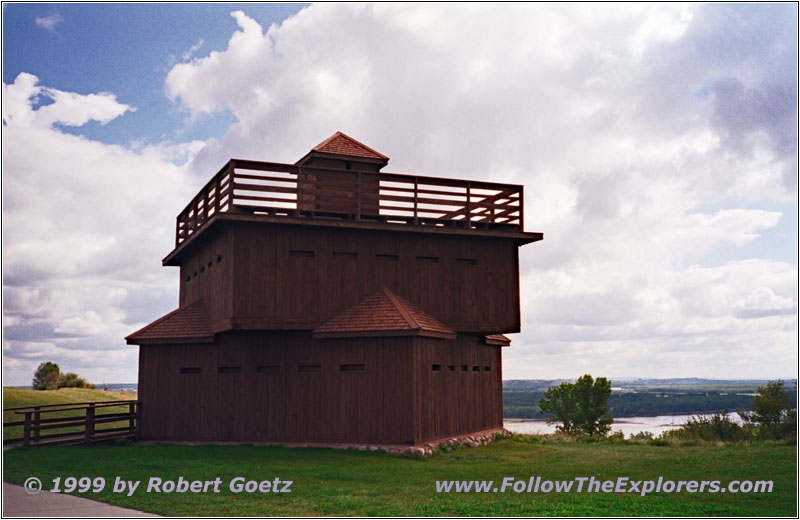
{"x":301,"y":191}
{"x":71,"y":423}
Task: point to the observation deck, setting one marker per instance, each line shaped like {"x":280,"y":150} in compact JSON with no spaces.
{"x":306,"y":192}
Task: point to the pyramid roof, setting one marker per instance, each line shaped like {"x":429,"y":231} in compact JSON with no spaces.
{"x":342,"y":144}
{"x":384,"y":314}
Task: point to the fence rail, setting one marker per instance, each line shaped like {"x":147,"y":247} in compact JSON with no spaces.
{"x":301,"y":191}
{"x":40,"y":423}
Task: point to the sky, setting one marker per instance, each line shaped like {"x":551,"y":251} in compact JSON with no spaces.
{"x":657,"y":144}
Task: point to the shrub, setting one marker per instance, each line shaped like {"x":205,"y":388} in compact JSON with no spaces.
{"x":71,"y":380}
{"x":717,"y":427}
{"x":773,"y":416}
{"x":617,"y":436}
{"x":642,"y":436}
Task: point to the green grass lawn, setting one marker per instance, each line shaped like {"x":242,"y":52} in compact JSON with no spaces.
{"x":356,"y":483}
{"x":14,"y":397}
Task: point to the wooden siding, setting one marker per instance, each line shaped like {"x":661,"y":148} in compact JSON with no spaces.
{"x":295,"y":278}
{"x":208,"y":274}
{"x":455,"y":402}
{"x":272,"y":398}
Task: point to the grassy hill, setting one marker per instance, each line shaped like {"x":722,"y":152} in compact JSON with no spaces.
{"x":13,"y":397}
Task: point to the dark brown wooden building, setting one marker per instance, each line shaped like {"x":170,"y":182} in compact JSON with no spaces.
{"x":327,"y":301}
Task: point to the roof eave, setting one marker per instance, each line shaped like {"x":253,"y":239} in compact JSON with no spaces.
{"x":169,"y":341}
{"x":328,"y":155}
{"x":383,"y":334}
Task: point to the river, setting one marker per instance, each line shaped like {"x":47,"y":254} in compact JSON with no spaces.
{"x":627,"y":425}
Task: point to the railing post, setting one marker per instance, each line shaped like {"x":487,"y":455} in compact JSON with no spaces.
{"x":36,"y":421}
{"x":468,"y":207}
{"x":217,"y":188}
{"x":522,"y":208}
{"x":416,"y":196}
{"x":26,"y":436}
{"x":231,"y":184}
{"x":89,"y":423}
{"x":230,"y":171}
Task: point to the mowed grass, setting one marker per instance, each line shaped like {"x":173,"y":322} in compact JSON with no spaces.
{"x":15,"y":397}
{"x":360,"y":483}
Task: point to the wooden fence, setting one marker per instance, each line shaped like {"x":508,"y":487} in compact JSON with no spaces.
{"x":72,"y":423}
{"x":302,"y":191}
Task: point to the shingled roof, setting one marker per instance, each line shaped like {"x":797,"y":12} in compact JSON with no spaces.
{"x":189,"y":324}
{"x":497,"y":339}
{"x":342,"y":144}
{"x":384,"y":314}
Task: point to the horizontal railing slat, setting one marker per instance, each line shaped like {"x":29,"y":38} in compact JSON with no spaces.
{"x":43,"y":406}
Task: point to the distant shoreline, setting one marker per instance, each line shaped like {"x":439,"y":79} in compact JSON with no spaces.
{"x":677,"y":414}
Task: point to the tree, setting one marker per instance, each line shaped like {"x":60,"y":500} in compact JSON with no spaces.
{"x":71,"y":380}
{"x":580,"y":407}
{"x":772,"y":413}
{"x":592,"y":399}
{"x":46,"y":376}
{"x":560,"y":402}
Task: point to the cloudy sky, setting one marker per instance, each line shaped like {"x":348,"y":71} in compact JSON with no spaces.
{"x":657,"y":144}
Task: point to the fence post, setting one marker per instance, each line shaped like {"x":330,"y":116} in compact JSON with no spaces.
{"x":37,"y":417}
{"x":138,"y":419}
{"x":26,"y":437}
{"x":89,"y":423}
{"x":132,"y":417}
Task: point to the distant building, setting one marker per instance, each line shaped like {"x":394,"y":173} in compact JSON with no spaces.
{"x":326,"y":301}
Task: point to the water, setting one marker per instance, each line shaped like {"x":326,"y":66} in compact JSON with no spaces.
{"x":628,"y":425}
{"x":121,"y":387}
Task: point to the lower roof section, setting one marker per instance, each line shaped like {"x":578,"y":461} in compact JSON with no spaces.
{"x":497,"y":339}
{"x":384,"y":314}
{"x":189,"y":324}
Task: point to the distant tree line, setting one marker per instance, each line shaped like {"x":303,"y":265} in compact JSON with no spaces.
{"x":524,"y":404}
{"x":48,"y":376}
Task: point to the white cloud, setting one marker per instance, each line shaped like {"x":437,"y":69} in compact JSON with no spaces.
{"x":48,"y":22}
{"x":194,"y":48}
{"x":67,"y":108}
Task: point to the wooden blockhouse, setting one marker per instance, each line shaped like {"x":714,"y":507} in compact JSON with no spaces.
{"x":329,"y":302}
